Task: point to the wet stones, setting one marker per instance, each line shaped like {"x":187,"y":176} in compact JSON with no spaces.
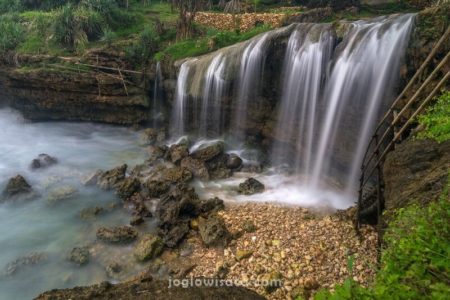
{"x":213,"y":231}
{"x":60,"y":194}
{"x":90,"y":213}
{"x":177,"y":153}
{"x":150,"y":246}
{"x":234,"y":162}
{"x":149,"y":136}
{"x":43,"y":161}
{"x":156,"y":188}
{"x":196,"y":167}
{"x":91,"y":179}
{"x":211,"y":205}
{"x":79,"y":255}
{"x":112,"y":178}
{"x":117,"y":235}
{"x":251,"y":186}
{"x":128,"y":187}
{"x":33,"y":258}
{"x":17,"y":187}
{"x":209,"y":152}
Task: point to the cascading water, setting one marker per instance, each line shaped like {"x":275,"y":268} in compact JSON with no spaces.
{"x":308,"y":54}
{"x":364,"y":70}
{"x":157,"y":95}
{"x":179,"y":108}
{"x":333,"y":89}
{"x":211,"y":118}
{"x":252,"y":66}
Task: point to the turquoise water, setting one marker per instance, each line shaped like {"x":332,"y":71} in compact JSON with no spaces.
{"x":35,"y":226}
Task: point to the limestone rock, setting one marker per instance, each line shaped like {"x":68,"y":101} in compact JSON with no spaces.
{"x":156,"y":188}
{"x":149,"y":136}
{"x":17,"y":186}
{"x":177,"y":153}
{"x":111,"y":178}
{"x":196,"y":167}
{"x":251,"y":186}
{"x":61,"y":193}
{"x":209,"y":152}
{"x":91,"y":179}
{"x":120,"y":234}
{"x":79,"y":255}
{"x":43,"y":161}
{"x":149,"y":247}
{"x":213,"y":231}
{"x":128,"y":187}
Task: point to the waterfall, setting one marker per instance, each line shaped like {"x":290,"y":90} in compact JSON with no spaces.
{"x":157,"y":95}
{"x":211,"y":118}
{"x":365,"y":68}
{"x":308,"y":54}
{"x":252,"y":66}
{"x":179,"y":107}
{"x":336,"y":81}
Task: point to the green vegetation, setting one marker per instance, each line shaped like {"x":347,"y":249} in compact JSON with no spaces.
{"x":415,"y":263}
{"x":11,"y":32}
{"x":213,"y":40}
{"x":436,"y":120}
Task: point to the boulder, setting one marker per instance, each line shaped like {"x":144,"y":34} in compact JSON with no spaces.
{"x":79,"y":255}
{"x":43,"y":161}
{"x":91,"y":179}
{"x":113,"y":269}
{"x":209,"y":152}
{"x":211,"y":205}
{"x":175,"y":175}
{"x":234,"y":162}
{"x":156,"y":152}
{"x":213,"y":231}
{"x":173,"y":234}
{"x":251,"y":186}
{"x":150,"y":246}
{"x":177,"y":153}
{"x":196,"y":167}
{"x":149,"y":136}
{"x":111,"y":178}
{"x":61,"y":193}
{"x":136,"y":203}
{"x":17,"y":186}
{"x":119,"y":234}
{"x":136,"y":220}
{"x":156,"y":188}
{"x":217,"y":167}
{"x":128,"y":187}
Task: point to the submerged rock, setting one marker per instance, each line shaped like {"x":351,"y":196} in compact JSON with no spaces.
{"x":251,"y":186}
{"x":196,"y":167}
{"x":91,"y":179}
{"x":113,"y":269}
{"x":79,"y":255}
{"x":43,"y":161}
{"x":119,"y":234}
{"x":213,"y":231}
{"x":217,"y":167}
{"x":17,"y":187}
{"x":112,"y":178}
{"x":128,"y":187}
{"x":90,"y":213}
{"x":150,"y":246}
{"x":209,"y":152}
{"x":27,"y":260}
{"x":62,"y":193}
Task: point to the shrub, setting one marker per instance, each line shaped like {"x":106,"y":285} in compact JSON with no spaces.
{"x":75,"y":26}
{"x":10,"y":6}
{"x":436,"y":120}
{"x":11,"y":32}
{"x":145,"y":47}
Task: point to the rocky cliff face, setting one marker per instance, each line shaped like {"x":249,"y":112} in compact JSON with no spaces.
{"x":416,"y":171}
{"x":42,"y":94}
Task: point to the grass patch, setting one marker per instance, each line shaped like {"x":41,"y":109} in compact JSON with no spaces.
{"x":436,"y":120}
